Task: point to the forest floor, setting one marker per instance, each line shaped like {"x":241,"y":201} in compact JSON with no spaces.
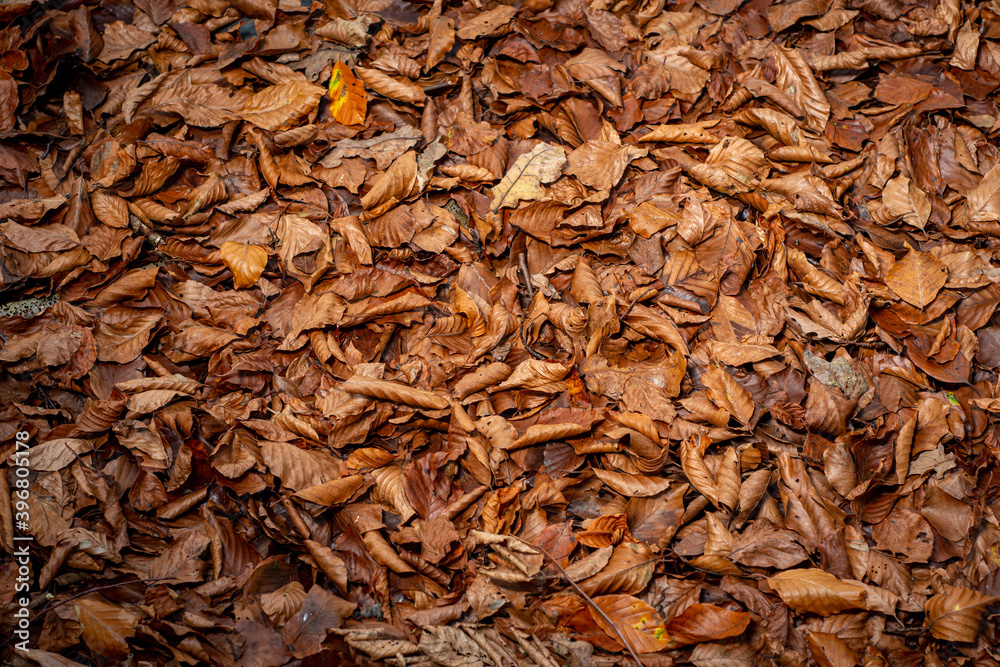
{"x":554,"y":333}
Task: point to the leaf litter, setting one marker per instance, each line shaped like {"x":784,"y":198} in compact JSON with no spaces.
{"x":551,"y":333}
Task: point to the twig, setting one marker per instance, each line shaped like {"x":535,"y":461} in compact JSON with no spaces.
{"x":586,"y":597}
{"x":635,"y":301}
{"x":527,"y":276}
{"x":47,"y":608}
{"x":523,"y":261}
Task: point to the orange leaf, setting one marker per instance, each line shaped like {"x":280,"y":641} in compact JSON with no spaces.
{"x":348,"y":99}
{"x":246,"y":262}
{"x":705,"y":622}
{"x":640,"y":625}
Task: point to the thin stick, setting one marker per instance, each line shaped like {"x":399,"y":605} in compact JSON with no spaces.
{"x":586,"y":597}
{"x":522,"y":333}
{"x":527,"y":276}
{"x":635,"y":300}
{"x":47,"y":608}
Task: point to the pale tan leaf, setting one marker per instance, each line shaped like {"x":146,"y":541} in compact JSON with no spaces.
{"x":737,"y":354}
{"x":395,"y":88}
{"x":902,"y":197}
{"x":733,"y":166}
{"x":397,"y":183}
{"x":390,"y":492}
{"x":728,"y":394}
{"x":796,"y":79}
{"x":535,"y":373}
{"x":332,"y":492}
{"x":682,"y":133}
{"x":442,"y":38}
{"x":332,"y":565}
{"x":601,"y":164}
{"x":984,"y":199}
{"x":632,"y":485}
{"x":590,"y":564}
{"x":523,"y":180}
{"x":146,"y":402}
{"x":299,"y":468}
{"x":628,"y":571}
{"x":54,"y":454}
{"x":383,"y":553}
{"x":121,"y":40}
{"x":487,"y":24}
{"x":352,"y":32}
{"x":693,"y":463}
{"x":545,"y":432}
{"x":727,"y":479}
{"x":109,"y":208}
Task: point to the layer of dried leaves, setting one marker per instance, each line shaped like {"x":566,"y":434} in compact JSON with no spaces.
{"x":554,"y":333}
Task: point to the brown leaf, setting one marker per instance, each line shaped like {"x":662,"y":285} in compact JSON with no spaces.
{"x":601,"y":164}
{"x":321,"y":611}
{"x":105,"y":626}
{"x":917,"y":278}
{"x":817,"y":591}
{"x":956,"y":613}
{"x":280,"y":107}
